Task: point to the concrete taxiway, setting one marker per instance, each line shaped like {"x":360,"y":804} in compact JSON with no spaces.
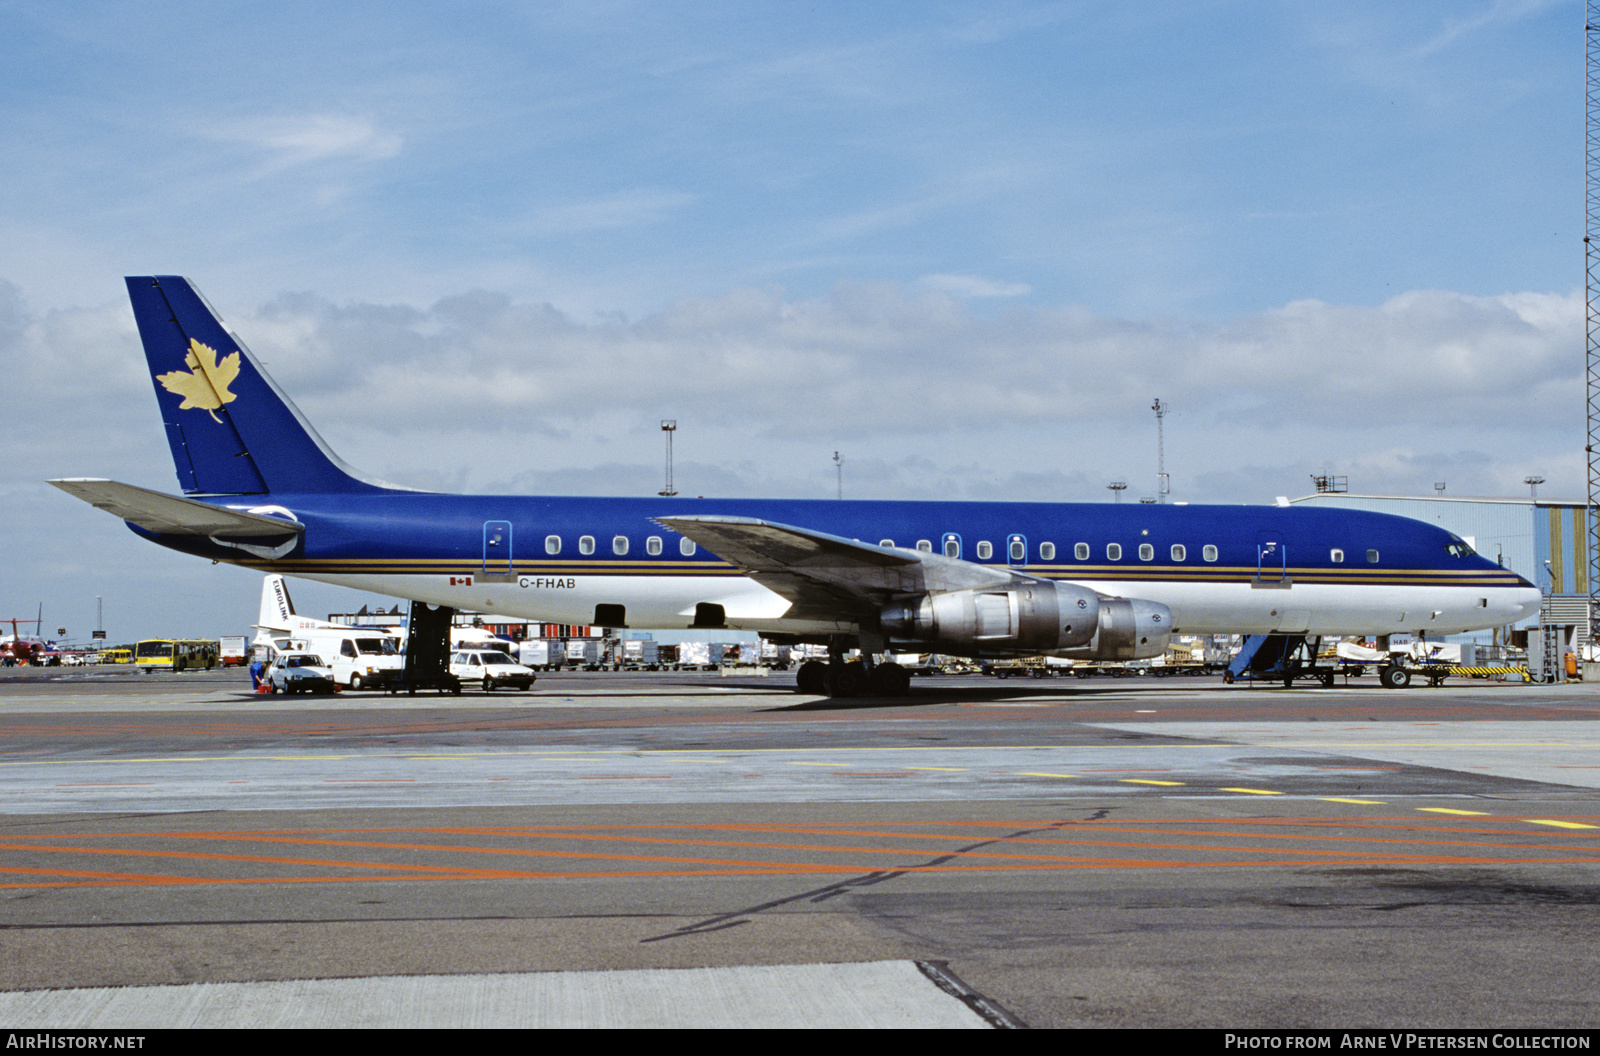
{"x":1135,"y":852}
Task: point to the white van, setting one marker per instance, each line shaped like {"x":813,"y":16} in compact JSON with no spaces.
{"x":360,"y":659}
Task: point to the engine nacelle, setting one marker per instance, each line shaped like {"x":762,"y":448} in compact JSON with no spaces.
{"x":1060,"y":619}
{"x":1127,"y":629}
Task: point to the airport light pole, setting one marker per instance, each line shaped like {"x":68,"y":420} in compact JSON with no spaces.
{"x":1117,"y":487}
{"x":669,"y":427}
{"x":1163,"y":482}
{"x":1533,"y":483}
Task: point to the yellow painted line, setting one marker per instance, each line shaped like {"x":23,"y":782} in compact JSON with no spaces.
{"x":835,"y":765}
{"x":1464,"y":813}
{"x":949,"y":769}
{"x":1254,"y":791}
{"x":1025,"y":773}
{"x":1561,"y":824}
{"x":1363,"y":802}
{"x":1146,"y":781}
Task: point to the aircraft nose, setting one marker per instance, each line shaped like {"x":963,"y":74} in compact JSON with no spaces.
{"x":1524,"y":602}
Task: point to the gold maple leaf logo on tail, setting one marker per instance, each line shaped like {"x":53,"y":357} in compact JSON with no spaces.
{"x":206,"y":384}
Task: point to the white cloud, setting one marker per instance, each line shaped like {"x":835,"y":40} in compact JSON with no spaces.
{"x":907,"y":371}
{"x":290,"y":141}
{"x":974,"y":286}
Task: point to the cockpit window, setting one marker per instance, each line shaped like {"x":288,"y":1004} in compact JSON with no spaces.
{"x":1458,"y":548}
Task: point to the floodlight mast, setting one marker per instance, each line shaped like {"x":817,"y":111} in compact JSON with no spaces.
{"x":1163,"y":482}
{"x":669,"y":427}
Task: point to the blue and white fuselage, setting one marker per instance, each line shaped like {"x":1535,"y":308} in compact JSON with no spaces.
{"x":1108,"y":580}
{"x":525,"y":556}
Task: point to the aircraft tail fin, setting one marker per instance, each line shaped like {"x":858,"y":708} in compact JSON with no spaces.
{"x":277,"y":609}
{"x":232,"y":431}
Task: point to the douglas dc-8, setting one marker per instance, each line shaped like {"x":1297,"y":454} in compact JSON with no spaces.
{"x":981,"y":579}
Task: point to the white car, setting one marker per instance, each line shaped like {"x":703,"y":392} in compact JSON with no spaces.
{"x":300,"y":673}
{"x":491,"y":668}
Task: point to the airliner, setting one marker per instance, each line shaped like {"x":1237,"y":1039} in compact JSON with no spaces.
{"x":982,"y":579}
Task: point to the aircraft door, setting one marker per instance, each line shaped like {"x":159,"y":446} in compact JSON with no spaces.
{"x":497,"y":548}
{"x":1272,"y":560}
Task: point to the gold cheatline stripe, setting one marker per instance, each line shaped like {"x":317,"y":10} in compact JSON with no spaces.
{"x":1208,"y":574}
{"x":420,"y":566}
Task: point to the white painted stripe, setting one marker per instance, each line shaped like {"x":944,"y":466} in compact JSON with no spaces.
{"x":847,"y":996}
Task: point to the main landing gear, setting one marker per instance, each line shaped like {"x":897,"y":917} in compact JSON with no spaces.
{"x":854,"y":678}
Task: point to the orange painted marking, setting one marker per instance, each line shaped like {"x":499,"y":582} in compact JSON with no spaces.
{"x":750,"y":849}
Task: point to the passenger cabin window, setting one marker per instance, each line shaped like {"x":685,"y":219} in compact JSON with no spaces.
{"x":686,"y":547}
{"x":1019,"y":550}
{"x":1208,"y":552}
{"x":1336,"y":556}
{"x":552,"y":544}
{"x":586,"y":544}
{"x":652,"y":546}
{"x":1113,"y":551}
{"x":1081,"y":551}
{"x":1146,"y":552}
{"x":1372,"y":557}
{"x":985,"y":550}
{"x":925,"y":545}
{"x":952,"y":546}
{"x":1047,"y":551}
{"x":1179,"y":553}
{"x":619,"y":545}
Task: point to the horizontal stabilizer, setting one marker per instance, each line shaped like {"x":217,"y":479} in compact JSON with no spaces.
{"x":170,"y":515}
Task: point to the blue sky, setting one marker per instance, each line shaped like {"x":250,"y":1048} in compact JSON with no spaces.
{"x":490,"y":246}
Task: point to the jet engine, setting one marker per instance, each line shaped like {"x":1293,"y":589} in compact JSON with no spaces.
{"x":1060,"y":619}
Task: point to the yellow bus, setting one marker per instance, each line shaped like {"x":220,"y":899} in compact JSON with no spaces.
{"x":117,"y":656}
{"x":175,"y":654}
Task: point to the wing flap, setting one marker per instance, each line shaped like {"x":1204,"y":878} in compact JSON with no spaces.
{"x":165,"y":514}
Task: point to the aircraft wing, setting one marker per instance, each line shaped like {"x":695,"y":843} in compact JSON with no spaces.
{"x":170,"y":515}
{"x":828,"y":576}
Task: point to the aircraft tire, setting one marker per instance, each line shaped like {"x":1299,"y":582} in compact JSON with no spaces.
{"x":848,"y":681}
{"x":889,"y":680}
{"x":1394,"y":677}
{"x":812,"y":677}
